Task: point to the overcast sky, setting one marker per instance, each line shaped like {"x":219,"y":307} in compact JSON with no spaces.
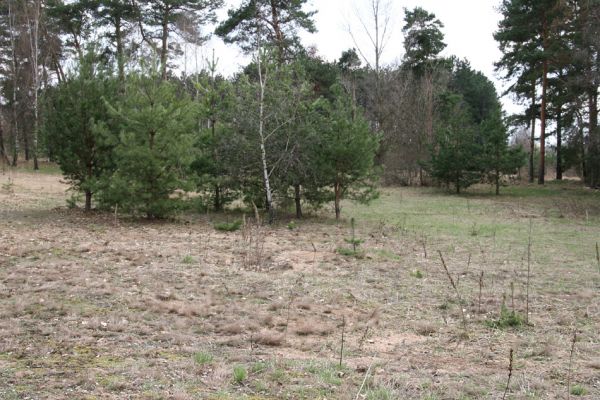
{"x":468,"y":29}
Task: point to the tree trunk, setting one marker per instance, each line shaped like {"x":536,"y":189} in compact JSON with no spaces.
{"x":217,"y":202}
{"x":338,"y":198}
{"x":261,"y":122}
{"x":15,"y":85}
{"x":542,"y":170}
{"x":278,"y":33}
{"x":33,"y":30}
{"x":297,"y":199}
{"x":559,"y":171}
{"x":457,"y":184}
{"x":497,"y":178}
{"x":532,"y":139}
{"x":120,"y":51}
{"x":88,"y":200}
{"x":3,"y":155}
{"x":164,"y":51}
{"x":26,"y":145}
{"x":594,"y":148}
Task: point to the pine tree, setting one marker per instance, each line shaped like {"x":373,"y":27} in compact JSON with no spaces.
{"x":158,"y":18}
{"x":276,"y":21}
{"x":73,"y":111}
{"x":154,"y":149}
{"x":456,"y":151}
{"x":345,"y":152}
{"x":529,"y":37}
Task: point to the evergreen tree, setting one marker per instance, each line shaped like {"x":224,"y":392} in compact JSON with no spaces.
{"x":345,"y":152}
{"x":276,"y":21}
{"x":456,"y":152}
{"x":529,"y":37}
{"x":73,"y":111}
{"x":154,"y":150}
{"x":423,"y":39}
{"x":498,"y":158}
{"x":158,"y":18}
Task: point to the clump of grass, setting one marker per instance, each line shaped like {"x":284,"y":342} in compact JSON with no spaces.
{"x":507,"y":319}
{"x":202,"y":358}
{"x":417,"y":274}
{"x":239,"y":374}
{"x":228,"y":226}
{"x":292,"y":225}
{"x":188,"y":260}
{"x":578,"y":390}
{"x":350,"y":253}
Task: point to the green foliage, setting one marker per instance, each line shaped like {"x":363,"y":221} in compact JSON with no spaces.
{"x":276,"y":22}
{"x":202,"y":358}
{"x":417,"y":274}
{"x":506,"y":319}
{"x":228,"y":226}
{"x":455,"y":154}
{"x":351,"y":252}
{"x":423,"y":38}
{"x":74,"y":113}
{"x":292,"y":225}
{"x":239,"y":374}
{"x":471,"y":142}
{"x":346,"y":152}
{"x":578,"y":390}
{"x":153,"y":151}
{"x":188,"y":260}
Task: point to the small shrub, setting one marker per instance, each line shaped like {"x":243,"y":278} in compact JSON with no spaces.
{"x":417,"y":274}
{"x":8,"y":187}
{"x":202,"y":358}
{"x":507,"y":319}
{"x":228,"y":226}
{"x":350,"y":253}
{"x":73,"y":200}
{"x":292,"y":225}
{"x":188,"y":260}
{"x":239,"y":374}
{"x":578,"y":390}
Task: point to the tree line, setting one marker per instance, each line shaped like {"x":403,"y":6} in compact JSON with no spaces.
{"x":551,"y":57}
{"x":94,"y":86}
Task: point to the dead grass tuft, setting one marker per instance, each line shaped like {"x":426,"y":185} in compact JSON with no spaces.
{"x":269,"y":338}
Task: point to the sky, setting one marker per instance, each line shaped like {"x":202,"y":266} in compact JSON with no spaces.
{"x":468,"y":29}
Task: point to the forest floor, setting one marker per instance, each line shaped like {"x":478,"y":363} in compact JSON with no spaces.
{"x":100,"y":307}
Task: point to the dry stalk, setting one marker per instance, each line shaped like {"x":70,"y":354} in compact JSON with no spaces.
{"x":598,"y":256}
{"x":572,"y":352}
{"x":363,"y":382}
{"x":510,"y":371}
{"x":512,"y":297}
{"x":458,"y":296}
{"x":528,"y":273}
{"x":363,"y":338}
{"x":293,"y":295}
{"x":480,"y":290}
{"x":342,"y":344}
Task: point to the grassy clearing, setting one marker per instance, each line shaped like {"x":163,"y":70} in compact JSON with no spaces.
{"x":93,"y":307}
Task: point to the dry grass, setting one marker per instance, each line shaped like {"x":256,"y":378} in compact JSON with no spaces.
{"x":90,"y":308}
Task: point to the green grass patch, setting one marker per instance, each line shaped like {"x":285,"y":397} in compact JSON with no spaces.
{"x":228,"y":226}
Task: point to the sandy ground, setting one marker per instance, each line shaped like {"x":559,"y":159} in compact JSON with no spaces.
{"x":95,"y":307}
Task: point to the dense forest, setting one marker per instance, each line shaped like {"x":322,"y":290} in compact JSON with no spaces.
{"x":97,"y":87}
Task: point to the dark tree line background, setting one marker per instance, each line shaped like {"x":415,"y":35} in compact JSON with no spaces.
{"x":93,"y":85}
